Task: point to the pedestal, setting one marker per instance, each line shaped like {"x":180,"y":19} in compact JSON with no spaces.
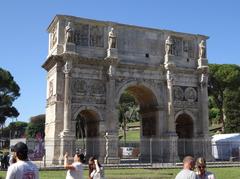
{"x":203,"y":148}
{"x":66,"y":145}
{"x":70,"y":47}
{"x":172,"y":148}
{"x":202,"y":62}
{"x":112,"y":53}
{"x":112,"y":147}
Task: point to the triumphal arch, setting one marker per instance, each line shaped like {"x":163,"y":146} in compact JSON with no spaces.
{"x":91,"y":63}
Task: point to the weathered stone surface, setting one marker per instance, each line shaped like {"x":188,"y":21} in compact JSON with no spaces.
{"x":159,"y":67}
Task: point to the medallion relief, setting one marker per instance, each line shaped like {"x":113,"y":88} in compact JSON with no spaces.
{"x":190,"y":94}
{"x":178,"y":93}
{"x":184,"y":93}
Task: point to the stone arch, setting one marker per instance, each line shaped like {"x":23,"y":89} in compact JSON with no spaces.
{"x":184,"y":121}
{"x":128,"y":84}
{"x":185,"y":112}
{"x":91,"y":108}
{"x":90,"y":140}
{"x":148,"y":100}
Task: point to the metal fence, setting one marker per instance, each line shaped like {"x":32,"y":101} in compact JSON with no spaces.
{"x":146,"y":151}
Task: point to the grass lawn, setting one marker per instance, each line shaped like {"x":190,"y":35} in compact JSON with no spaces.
{"x":221,"y":173}
{"x":133,"y":135}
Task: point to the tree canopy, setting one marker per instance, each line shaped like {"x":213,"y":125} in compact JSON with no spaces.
{"x":9,"y":92}
{"x":224,"y":81}
{"x":36,"y":126}
{"x":17,"y":129}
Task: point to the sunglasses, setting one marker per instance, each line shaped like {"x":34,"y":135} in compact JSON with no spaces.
{"x":201,"y":167}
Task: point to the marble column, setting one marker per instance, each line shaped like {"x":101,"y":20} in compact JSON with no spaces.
{"x":172,"y":154}
{"x":204,"y":100}
{"x":66,"y":136}
{"x":204,"y":113}
{"x":111,"y":114}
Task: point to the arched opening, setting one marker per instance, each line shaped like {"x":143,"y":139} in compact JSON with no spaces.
{"x":144,"y":128}
{"x":87,"y":133}
{"x":184,"y":130}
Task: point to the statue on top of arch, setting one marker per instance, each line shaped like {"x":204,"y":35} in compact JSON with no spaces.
{"x":112,"y":39}
{"x":169,"y":46}
{"x":69,"y":33}
{"x":202,"y":49}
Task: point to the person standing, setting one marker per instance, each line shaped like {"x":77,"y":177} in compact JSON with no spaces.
{"x":23,"y":168}
{"x":187,"y":171}
{"x":75,"y":170}
{"x":95,"y":169}
{"x":201,"y":170}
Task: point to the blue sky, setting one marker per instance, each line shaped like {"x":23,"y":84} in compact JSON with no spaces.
{"x":24,"y":39}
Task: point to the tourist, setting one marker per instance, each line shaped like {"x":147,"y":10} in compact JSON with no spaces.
{"x":4,"y":161}
{"x":201,"y":169}
{"x":187,"y":171}
{"x":12,"y":159}
{"x":75,"y":170}
{"x":95,"y":169}
{"x":23,"y":168}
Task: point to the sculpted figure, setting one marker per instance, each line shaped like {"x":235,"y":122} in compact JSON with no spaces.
{"x":69,"y":31}
{"x":112,"y":39}
{"x":204,"y":80}
{"x":202,"y":49}
{"x":169,"y":46}
{"x":67,"y":67}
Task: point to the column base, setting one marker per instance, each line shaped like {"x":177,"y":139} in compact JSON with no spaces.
{"x":171,"y":151}
{"x":66,"y":145}
{"x":112,"y":160}
{"x":112,"y":53}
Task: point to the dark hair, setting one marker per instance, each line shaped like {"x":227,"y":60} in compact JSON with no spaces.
{"x":81,"y":157}
{"x":90,"y":168}
{"x":21,"y":150}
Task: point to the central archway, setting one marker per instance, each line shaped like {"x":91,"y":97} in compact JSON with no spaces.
{"x":185,"y":132}
{"x":149,"y":118}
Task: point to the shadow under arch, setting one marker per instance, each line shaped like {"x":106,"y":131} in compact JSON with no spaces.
{"x":87,"y":130}
{"x":185,"y":131}
{"x":147,"y":99}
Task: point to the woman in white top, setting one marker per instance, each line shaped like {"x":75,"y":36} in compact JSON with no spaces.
{"x":95,"y":169}
{"x":201,"y":170}
{"x":75,"y":170}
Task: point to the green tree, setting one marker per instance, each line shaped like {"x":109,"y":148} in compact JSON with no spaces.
{"x":36,"y":126}
{"x":17,"y":129}
{"x":128,"y":111}
{"x":232,"y":110}
{"x":222,"y":79}
{"x":9,"y":92}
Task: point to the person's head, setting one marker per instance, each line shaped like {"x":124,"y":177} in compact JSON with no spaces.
{"x":91,"y":165}
{"x":201,"y":165}
{"x":21,"y":151}
{"x":188,"y":163}
{"x":91,"y":162}
{"x":79,"y":157}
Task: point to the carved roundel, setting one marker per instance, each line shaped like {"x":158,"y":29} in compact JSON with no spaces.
{"x":190,"y":94}
{"x":178,"y":93}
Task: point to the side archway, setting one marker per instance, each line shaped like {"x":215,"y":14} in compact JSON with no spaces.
{"x":185,"y":131}
{"x":87,"y":130}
